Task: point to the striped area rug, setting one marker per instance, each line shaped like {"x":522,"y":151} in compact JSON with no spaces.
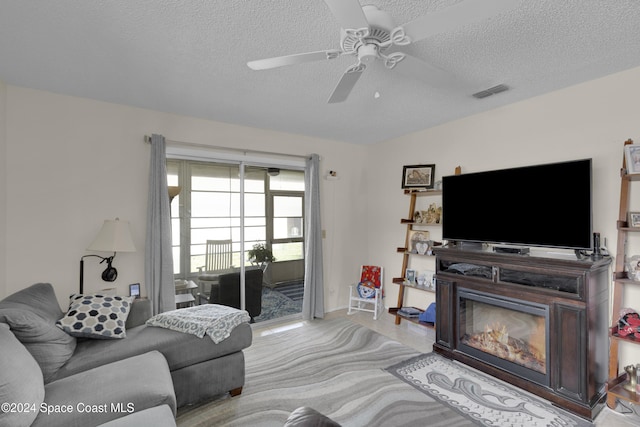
{"x":275,"y":305}
{"x":334,"y":366}
{"x":295,"y":291}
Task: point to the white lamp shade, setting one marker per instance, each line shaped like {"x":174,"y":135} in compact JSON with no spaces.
{"x":114,"y":236}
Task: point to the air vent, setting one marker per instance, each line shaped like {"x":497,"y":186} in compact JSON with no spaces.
{"x":490,"y":91}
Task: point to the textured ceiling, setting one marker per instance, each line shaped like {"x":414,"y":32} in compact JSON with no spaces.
{"x":189,"y":58}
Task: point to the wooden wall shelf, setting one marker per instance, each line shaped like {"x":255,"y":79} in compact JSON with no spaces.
{"x":617,"y":379}
{"x":406,"y":254}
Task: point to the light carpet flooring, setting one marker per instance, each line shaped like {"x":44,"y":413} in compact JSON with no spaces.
{"x":409,"y":334}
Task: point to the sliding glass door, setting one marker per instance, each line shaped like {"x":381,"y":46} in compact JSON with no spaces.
{"x":208,"y":209}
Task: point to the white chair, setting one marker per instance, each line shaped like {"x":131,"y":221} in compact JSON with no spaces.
{"x":217,"y":261}
{"x":368,"y":292}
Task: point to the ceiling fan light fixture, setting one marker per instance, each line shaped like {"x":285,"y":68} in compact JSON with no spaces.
{"x":379,"y":32}
{"x":368,"y":53}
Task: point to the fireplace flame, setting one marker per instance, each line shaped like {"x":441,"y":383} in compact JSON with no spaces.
{"x":495,"y":340}
{"x":498,"y":333}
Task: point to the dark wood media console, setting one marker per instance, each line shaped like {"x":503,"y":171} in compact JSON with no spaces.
{"x":564,"y":300}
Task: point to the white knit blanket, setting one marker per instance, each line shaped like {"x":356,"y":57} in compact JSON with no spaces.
{"x":215,"y":320}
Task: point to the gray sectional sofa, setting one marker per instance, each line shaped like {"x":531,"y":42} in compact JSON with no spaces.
{"x":145,"y":376}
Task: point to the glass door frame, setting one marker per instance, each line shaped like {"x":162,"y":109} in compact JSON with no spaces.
{"x":185,"y":229}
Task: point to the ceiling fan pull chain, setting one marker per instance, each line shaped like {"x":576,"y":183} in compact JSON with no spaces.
{"x":399,"y":37}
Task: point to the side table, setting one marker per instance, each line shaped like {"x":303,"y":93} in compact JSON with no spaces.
{"x":184,"y":293}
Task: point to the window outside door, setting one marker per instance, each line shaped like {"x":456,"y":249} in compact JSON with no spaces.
{"x":208,"y":208}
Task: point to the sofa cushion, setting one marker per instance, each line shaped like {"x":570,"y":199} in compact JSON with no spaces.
{"x":31,"y":314}
{"x":172,"y":344}
{"x":39,"y":298}
{"x":21,"y":381}
{"x":141,"y":309}
{"x":100,"y":395}
{"x":96,"y":316}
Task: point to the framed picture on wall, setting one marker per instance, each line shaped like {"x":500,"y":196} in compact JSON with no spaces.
{"x":411,"y":275}
{"x":418,"y":176}
{"x":634,"y":219}
{"x":632,"y":158}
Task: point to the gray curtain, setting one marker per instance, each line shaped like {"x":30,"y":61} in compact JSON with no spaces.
{"x":158,"y":265}
{"x":313,"y":301}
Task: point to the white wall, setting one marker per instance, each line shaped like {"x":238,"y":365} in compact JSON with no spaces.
{"x":72,"y":162}
{"x":591,"y":120}
{"x":3,"y":187}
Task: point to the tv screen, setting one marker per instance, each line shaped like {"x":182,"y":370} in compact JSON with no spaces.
{"x":546,"y":205}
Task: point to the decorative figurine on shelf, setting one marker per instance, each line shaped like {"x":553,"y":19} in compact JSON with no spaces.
{"x":633,"y":379}
{"x":433,"y":214}
{"x":419,"y":241}
{"x":629,"y":323}
{"x":633,"y":268}
{"x":422,"y":247}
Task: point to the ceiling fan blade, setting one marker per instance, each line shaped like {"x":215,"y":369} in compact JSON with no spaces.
{"x":346,"y":83}
{"x":418,"y":69}
{"x":348,"y":13}
{"x":455,"y":17}
{"x":300,"y":58}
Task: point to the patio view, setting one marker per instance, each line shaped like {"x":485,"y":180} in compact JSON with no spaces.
{"x":210,"y":206}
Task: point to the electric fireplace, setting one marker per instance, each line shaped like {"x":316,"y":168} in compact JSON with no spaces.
{"x":505,"y":332}
{"x":537,"y":322}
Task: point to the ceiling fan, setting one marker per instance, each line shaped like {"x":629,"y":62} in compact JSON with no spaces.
{"x":368,"y":34}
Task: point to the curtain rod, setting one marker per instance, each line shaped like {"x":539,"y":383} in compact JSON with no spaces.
{"x":147,"y":140}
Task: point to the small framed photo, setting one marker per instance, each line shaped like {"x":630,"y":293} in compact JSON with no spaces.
{"x":632,"y":158}
{"x":134,"y":290}
{"x":420,"y":176}
{"x":410,"y":275}
{"x":634,"y":219}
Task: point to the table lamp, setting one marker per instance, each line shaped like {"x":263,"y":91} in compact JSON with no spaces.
{"x":114,"y":236}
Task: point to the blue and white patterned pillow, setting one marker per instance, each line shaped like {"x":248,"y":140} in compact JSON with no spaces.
{"x":96,"y":316}
{"x":366,"y":289}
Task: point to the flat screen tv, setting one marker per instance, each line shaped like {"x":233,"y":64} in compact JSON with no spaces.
{"x":547,"y":205}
